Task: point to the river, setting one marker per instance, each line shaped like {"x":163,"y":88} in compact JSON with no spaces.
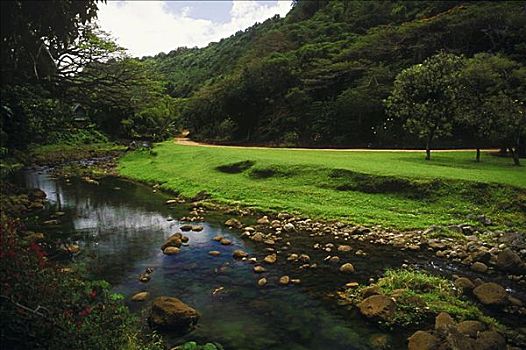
{"x":120,"y":226}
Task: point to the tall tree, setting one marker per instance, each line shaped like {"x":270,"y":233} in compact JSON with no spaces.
{"x":424,"y":96}
{"x":489,"y":100}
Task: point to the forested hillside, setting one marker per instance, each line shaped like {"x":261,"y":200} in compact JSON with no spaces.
{"x":320,"y":76}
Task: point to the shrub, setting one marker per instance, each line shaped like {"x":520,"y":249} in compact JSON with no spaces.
{"x":43,"y":307}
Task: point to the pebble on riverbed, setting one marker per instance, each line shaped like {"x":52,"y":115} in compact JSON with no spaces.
{"x":262,"y":282}
{"x":141,"y":296}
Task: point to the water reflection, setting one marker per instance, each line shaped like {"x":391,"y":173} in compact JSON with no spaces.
{"x":120,"y":227}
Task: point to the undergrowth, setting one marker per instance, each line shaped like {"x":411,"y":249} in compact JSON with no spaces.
{"x":420,"y":296}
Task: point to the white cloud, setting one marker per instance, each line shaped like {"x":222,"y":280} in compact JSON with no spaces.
{"x":147,"y":27}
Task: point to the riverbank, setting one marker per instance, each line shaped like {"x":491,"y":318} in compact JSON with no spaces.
{"x":478,"y":248}
{"x":396,"y":190}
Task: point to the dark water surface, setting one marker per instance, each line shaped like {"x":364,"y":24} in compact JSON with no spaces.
{"x":120,"y":227}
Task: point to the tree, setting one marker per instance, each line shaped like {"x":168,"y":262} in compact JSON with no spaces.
{"x":489,"y":100}
{"x":511,"y":122}
{"x":424,"y":96}
{"x":31,"y":31}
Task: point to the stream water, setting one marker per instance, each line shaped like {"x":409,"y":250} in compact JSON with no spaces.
{"x":120,"y":226}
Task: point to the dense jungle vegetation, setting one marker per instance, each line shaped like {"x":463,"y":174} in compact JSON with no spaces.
{"x":318,"y":77}
{"x":321,"y":75}
{"x":397,"y":74}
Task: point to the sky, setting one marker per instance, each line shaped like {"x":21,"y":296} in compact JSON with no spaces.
{"x":147,"y":28}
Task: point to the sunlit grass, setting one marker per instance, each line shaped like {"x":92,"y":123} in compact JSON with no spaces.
{"x":395,"y":189}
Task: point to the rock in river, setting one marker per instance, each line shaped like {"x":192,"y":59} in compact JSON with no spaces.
{"x":186,"y":227}
{"x":421,"y":340}
{"x":141,"y":296}
{"x":344,"y":248}
{"x":479,"y":267}
{"x":263,"y":220}
{"x":508,"y":260}
{"x":347,"y":268}
{"x":289,"y":227}
{"x":239,"y":254}
{"x":262,"y":282}
{"x":377,"y":306}
{"x":234,"y":223}
{"x":171,"y":250}
{"x":225,"y":241}
{"x":270,"y":259}
{"x":214,"y":253}
{"x":284,"y":280}
{"x":259,"y":269}
{"x":491,"y":294}
{"x":174,"y":240}
{"x":172,"y":313}
{"x":464,"y":283}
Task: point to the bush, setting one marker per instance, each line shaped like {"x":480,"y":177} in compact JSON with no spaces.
{"x":43,"y":307}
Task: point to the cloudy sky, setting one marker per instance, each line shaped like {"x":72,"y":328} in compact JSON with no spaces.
{"x":150,"y":27}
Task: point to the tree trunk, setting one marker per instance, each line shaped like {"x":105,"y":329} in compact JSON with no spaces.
{"x":478,"y":155}
{"x":428,"y":145}
{"x":515,"y":156}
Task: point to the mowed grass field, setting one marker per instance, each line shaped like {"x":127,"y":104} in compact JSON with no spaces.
{"x":394,"y":189}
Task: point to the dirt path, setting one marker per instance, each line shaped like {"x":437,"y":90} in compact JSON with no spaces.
{"x":188,"y":142}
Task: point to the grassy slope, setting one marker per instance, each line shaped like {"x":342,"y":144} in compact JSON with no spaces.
{"x":301,"y":182}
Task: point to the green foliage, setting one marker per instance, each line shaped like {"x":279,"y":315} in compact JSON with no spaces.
{"x":75,"y":136}
{"x":419,"y":297}
{"x":424,"y":96}
{"x":33,"y":31}
{"x":69,"y":312}
{"x":320,"y":75}
{"x":191,"y":345}
{"x":357,"y":187}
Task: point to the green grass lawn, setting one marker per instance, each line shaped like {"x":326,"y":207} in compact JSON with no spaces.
{"x":394,"y":189}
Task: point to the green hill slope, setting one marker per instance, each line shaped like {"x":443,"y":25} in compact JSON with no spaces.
{"x":319,"y":76}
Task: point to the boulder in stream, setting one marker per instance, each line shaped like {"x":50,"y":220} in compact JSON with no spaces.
{"x":171,"y":313}
{"x":175,"y":240}
{"x":491,"y":294}
{"x":377,"y":306}
{"x":233,"y":223}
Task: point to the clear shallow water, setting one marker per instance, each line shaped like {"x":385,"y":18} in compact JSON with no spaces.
{"x":120,"y":227}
